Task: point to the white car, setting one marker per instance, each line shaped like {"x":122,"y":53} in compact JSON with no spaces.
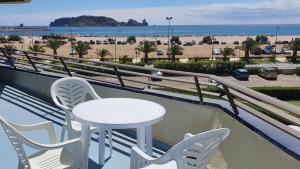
{"x":73,"y":52}
{"x":286,"y":51}
{"x":216,"y":51}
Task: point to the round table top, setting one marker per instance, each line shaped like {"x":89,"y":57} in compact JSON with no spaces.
{"x":119,"y":113}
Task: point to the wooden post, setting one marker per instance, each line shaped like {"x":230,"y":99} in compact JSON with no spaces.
{"x":30,"y":61}
{"x":231,"y":100}
{"x":118,"y":76}
{"x":9,"y":59}
{"x":65,"y":66}
{"x":198,"y":89}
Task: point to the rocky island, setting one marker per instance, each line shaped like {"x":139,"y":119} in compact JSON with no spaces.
{"x":85,"y":21}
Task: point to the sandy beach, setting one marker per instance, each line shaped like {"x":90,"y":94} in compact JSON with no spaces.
{"x":189,"y":51}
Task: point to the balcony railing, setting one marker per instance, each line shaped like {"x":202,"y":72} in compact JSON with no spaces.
{"x":269,"y":109}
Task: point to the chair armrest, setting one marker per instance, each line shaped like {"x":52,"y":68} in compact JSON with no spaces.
{"x":188,"y":135}
{"x":138,"y":158}
{"x":48,"y":126}
{"x":74,"y":142}
{"x":58,"y":104}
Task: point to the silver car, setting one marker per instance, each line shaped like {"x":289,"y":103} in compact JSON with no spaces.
{"x":268,"y":73}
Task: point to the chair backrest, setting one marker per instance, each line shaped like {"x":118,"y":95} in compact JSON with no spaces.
{"x":16,"y":140}
{"x":71,"y":91}
{"x":196,"y":150}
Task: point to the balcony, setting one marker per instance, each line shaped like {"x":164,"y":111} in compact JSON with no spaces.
{"x":256,"y":140}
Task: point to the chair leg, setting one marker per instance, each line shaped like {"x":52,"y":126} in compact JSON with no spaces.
{"x":63,"y":132}
{"x":110,"y":141}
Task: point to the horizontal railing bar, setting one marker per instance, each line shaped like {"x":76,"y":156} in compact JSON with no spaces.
{"x":292,"y":119}
{"x":259,"y":96}
{"x":269,"y":120}
{"x":126,"y":66}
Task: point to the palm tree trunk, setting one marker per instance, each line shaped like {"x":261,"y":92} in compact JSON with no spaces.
{"x":294,"y":58}
{"x":247,"y":55}
{"x":173,"y":58}
{"x":146,"y":58}
{"x":55,"y":53}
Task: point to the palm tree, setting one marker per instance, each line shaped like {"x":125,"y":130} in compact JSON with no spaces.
{"x":54,"y":44}
{"x":81,"y":49}
{"x":10,"y":48}
{"x":147,"y":48}
{"x":295,"y":46}
{"x":103,"y":53}
{"x":247,"y":46}
{"x":227,"y":52}
{"x":175,"y":50}
{"x":36,"y":48}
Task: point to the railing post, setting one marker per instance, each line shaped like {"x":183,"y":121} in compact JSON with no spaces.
{"x":9,"y":59}
{"x":198,"y":89}
{"x":30,"y":61}
{"x":65,"y":66}
{"x":231,"y":100}
{"x":118,"y":76}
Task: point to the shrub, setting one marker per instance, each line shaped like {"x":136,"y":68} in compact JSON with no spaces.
{"x":282,"y":93}
{"x":208,"y":67}
{"x":263,"y":39}
{"x":131,"y":38}
{"x":207,"y":39}
{"x":298,"y":71}
{"x":3,"y":39}
{"x":253,"y":70}
{"x":175,"y":40}
{"x":125,"y":59}
{"x":14,"y":38}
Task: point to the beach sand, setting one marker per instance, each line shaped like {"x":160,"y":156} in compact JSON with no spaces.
{"x":189,"y":51}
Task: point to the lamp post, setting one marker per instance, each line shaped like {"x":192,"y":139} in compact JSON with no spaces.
{"x":277,"y":28}
{"x":169,"y":20}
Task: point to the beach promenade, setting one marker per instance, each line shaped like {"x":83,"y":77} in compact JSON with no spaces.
{"x":119,"y":50}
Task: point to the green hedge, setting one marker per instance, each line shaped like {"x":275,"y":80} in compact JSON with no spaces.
{"x":208,"y":67}
{"x":281,"y":93}
{"x":298,"y":71}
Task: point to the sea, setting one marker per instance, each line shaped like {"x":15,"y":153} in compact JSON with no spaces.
{"x":176,"y":30}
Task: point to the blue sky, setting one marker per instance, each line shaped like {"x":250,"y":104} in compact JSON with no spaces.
{"x":185,"y":12}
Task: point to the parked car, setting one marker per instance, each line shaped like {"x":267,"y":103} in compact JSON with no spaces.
{"x":160,"y":53}
{"x":236,"y":42}
{"x":286,"y":51}
{"x":268,"y":73}
{"x":156,"y":73}
{"x":105,"y":42}
{"x":73,"y":52}
{"x":241,"y":74}
{"x":216,"y":51}
{"x":119,"y":42}
{"x":187,"y":44}
{"x":98,"y":42}
{"x":92,"y":42}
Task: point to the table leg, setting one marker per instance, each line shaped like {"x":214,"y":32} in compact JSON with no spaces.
{"x":101,"y":146}
{"x":149,"y":140}
{"x":141,"y":138}
{"x":85,"y":141}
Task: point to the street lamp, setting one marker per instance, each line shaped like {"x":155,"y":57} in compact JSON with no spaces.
{"x":169,"y":20}
{"x":277,"y":28}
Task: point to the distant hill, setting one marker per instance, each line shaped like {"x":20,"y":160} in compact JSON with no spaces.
{"x":84,"y":21}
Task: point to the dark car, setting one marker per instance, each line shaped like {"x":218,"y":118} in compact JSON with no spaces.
{"x":241,"y":74}
{"x":268,"y":73}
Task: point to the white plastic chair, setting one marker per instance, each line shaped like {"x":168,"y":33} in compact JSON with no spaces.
{"x":194,"y":152}
{"x":50,"y":156}
{"x":66,"y":94}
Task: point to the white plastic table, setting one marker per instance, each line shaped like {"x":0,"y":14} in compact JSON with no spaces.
{"x":117,"y":113}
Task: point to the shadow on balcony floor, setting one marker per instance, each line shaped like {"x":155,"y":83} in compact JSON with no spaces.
{"x":23,"y":108}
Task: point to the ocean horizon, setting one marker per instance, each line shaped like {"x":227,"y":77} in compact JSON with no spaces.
{"x":162,"y":30}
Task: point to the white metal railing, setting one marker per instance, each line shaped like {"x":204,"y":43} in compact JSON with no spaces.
{"x":238,"y":96}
